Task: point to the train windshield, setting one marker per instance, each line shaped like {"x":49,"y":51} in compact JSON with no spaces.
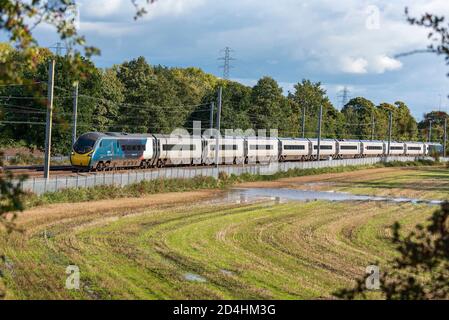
{"x":84,"y":144}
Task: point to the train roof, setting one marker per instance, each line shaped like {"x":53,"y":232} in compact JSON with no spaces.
{"x":128,"y":135}
{"x":175,"y":136}
{"x":325,"y":140}
{"x":261,"y":138}
{"x":347,"y":140}
{"x":92,"y":135}
{"x":378,"y":141}
{"x":294,"y":139}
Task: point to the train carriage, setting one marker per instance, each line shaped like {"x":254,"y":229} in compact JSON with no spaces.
{"x":348,"y":149}
{"x":396,"y":148}
{"x":328,"y":148}
{"x":261,"y":150}
{"x":414,"y":149}
{"x":291,"y":149}
{"x":372,"y":148}
{"x":179,"y":150}
{"x":231,"y":150}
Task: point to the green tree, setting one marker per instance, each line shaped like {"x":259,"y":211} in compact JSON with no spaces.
{"x":381,"y":121}
{"x":19,"y":18}
{"x":407,"y":127}
{"x":138,"y":114}
{"x":268,"y":106}
{"x":310,"y":96}
{"x":111,"y":96}
{"x":236,"y":101}
{"x":358,"y":114}
{"x":437,"y":119}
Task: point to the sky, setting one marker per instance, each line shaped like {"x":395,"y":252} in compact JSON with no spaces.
{"x":345,"y":43}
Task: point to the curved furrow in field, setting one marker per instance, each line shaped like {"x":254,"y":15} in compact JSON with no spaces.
{"x":253,"y":251}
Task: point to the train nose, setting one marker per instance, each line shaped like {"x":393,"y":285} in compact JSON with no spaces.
{"x":80,"y":160}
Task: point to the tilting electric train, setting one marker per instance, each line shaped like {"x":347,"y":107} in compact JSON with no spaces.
{"x":105,"y":151}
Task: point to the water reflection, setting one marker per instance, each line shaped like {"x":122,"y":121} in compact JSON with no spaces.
{"x":282,"y":195}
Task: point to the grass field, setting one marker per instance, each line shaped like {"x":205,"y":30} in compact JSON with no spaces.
{"x":167,"y":246}
{"x":429,"y":183}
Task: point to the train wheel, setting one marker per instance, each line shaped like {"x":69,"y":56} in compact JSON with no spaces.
{"x":100,"y":166}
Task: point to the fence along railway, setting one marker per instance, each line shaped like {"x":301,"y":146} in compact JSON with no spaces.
{"x":127,"y":177}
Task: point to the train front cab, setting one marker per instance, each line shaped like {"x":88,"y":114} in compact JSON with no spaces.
{"x":83,"y":149}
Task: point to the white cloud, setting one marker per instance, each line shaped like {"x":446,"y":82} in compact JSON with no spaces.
{"x":322,"y":40}
{"x":172,"y":8}
{"x":124,"y":10}
{"x":103,"y":8}
{"x":375,"y":64}
{"x":384,"y":63}
{"x":354,"y":65}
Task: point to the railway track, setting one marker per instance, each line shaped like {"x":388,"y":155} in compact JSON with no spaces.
{"x":37,"y":171}
{"x":38,"y":168}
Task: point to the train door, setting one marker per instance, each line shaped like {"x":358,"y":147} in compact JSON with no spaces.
{"x":204,"y":149}
{"x":108,"y":148}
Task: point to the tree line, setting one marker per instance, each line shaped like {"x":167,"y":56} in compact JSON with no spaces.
{"x":137,"y":97}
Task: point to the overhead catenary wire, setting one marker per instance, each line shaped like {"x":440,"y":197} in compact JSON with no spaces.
{"x":21,"y":84}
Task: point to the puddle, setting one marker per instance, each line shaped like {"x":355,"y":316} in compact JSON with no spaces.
{"x":226,"y":272}
{"x":194,"y":277}
{"x":282,"y":195}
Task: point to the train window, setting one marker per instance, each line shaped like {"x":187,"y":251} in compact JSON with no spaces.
{"x":129,"y":148}
{"x":348,"y":147}
{"x":294,"y":147}
{"x":261,"y":147}
{"x":225,"y":147}
{"x":179,"y":147}
{"x":323,"y":147}
{"x":397,"y":148}
{"x":374,"y":148}
{"x":123,"y":147}
{"x":84,"y":144}
{"x":414,"y":148}
{"x":134,"y":148}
